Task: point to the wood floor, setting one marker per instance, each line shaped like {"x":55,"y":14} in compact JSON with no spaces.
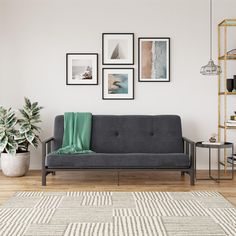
{"x":107,"y":181}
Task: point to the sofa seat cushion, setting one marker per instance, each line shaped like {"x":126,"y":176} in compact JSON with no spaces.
{"x":117,"y":160}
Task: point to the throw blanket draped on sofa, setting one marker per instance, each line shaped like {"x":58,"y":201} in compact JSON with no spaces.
{"x":77,"y":133}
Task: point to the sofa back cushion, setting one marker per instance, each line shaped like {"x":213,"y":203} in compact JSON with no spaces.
{"x":130,"y":134}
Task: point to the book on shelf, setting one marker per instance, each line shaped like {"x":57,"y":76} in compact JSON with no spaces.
{"x":231,"y":121}
{"x":232,"y":160}
{"x":210,"y":143}
{"x":230,"y":124}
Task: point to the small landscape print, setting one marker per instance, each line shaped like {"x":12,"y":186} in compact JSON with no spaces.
{"x":118,"y":83}
{"x":118,"y":48}
{"x":154,"y":59}
{"x":82,"y":68}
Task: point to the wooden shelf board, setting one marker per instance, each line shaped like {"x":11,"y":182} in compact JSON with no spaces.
{"x":227,"y":93}
{"x":227,"y":127}
{"x":228,"y":57}
{"x":228,"y":22}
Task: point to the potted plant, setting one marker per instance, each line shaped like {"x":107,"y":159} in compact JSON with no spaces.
{"x":16,"y":135}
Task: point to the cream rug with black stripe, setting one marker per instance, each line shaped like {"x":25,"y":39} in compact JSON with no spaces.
{"x":117,"y":214}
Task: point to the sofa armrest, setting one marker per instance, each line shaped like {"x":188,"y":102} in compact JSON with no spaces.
{"x":189,"y":149}
{"x":46,"y":148}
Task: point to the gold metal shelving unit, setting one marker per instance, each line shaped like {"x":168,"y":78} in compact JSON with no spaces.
{"x":223,"y":59}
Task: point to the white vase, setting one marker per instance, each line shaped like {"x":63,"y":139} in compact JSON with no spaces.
{"x":15,"y":165}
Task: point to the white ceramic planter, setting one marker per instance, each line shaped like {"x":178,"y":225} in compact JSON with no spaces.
{"x":15,"y":165}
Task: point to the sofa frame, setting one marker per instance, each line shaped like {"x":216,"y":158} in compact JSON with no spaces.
{"x":189,"y":149}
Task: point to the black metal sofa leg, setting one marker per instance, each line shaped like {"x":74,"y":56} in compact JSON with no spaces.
{"x":192,"y":178}
{"x":182,"y":173}
{"x":44,"y":176}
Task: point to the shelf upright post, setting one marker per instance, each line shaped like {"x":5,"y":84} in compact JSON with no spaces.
{"x":225,"y":96}
{"x":219,"y":87}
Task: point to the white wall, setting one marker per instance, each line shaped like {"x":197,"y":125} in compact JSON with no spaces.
{"x":36,"y":34}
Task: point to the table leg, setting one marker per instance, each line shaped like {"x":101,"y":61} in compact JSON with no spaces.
{"x":209,"y":163}
{"x":218,"y":180}
{"x":233,"y":162}
{"x":195,"y":162}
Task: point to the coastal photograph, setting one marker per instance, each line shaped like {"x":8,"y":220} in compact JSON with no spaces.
{"x":154,"y":59}
{"x":118,"y":83}
{"x":118,"y":48}
{"x":82,"y":68}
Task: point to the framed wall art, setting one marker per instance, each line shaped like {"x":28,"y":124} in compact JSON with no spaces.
{"x":81,"y":68}
{"x":118,"y":48}
{"x":154,"y":59}
{"x":118,"y":83}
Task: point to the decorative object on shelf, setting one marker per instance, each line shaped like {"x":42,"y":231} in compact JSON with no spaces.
{"x":81,"y":68}
{"x":212,"y":139}
{"x":230,"y":85}
{"x":210,"y":68}
{"x":234,"y":82}
{"x":154,"y":59}
{"x":233,"y":117}
{"x":118,"y":83}
{"x":117,"y":48}
{"x":232,"y":52}
{"x":16,"y":135}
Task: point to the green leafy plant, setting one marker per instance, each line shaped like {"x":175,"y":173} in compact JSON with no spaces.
{"x":16,"y":135}
{"x":8,"y":133}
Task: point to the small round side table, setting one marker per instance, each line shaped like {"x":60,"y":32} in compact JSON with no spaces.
{"x":219,"y":163}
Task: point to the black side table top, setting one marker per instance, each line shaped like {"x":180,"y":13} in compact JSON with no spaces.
{"x":223,"y":145}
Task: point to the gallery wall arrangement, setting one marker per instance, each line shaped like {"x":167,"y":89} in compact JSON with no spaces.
{"x":118,"y":50}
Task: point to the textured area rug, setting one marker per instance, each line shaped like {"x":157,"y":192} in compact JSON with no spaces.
{"x":117,"y":214}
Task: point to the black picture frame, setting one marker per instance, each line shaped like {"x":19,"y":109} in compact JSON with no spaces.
{"x":81,"y":54}
{"x":139,"y":59}
{"x":103,"y":87}
{"x":103,"y":48}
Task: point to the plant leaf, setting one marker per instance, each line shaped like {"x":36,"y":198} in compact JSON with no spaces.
{"x":27,"y":102}
{"x":35,"y":142}
{"x":2,"y":134}
{"x":24,"y":114}
{"x":3,"y":143}
{"x":11,"y":123}
{"x":30,"y":136}
{"x":11,"y":150}
{"x":13,"y":144}
{"x":25,"y":128}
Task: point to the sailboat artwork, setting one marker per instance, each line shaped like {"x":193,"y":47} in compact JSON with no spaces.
{"x":118,"y":48}
{"x":117,"y":53}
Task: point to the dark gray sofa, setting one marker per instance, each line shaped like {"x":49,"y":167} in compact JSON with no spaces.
{"x":125,"y":142}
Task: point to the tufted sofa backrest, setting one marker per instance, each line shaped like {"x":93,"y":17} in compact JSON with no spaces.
{"x":130,"y":134}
